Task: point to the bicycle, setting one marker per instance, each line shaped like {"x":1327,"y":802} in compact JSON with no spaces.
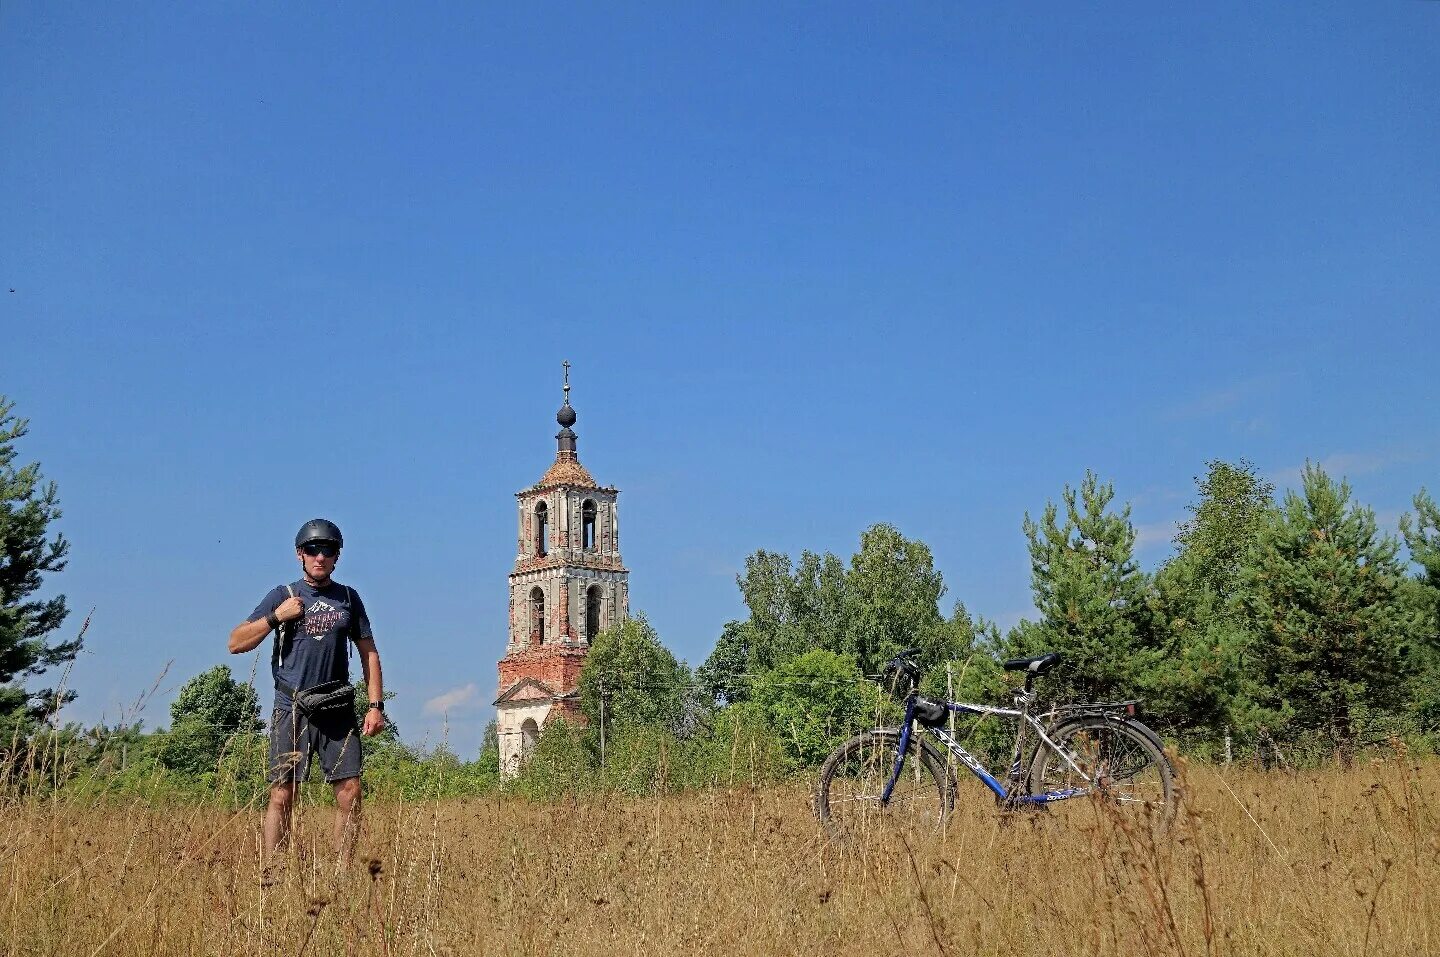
{"x":1096,"y":750}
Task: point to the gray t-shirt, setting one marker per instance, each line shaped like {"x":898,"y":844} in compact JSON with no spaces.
{"x":316,"y":647}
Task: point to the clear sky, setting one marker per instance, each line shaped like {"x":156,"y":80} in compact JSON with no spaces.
{"x":816,"y":267}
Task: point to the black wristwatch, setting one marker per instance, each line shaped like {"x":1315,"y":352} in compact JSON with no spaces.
{"x":377,"y":706}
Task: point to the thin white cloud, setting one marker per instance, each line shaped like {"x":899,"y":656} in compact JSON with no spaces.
{"x":455,"y":699}
{"x":1155,"y":533}
{"x":1218,"y":400}
{"x":1339,"y":465}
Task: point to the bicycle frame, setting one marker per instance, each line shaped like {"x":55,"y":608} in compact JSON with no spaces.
{"x":1002,"y":793}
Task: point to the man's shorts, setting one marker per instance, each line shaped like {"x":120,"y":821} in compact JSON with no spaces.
{"x":294,"y":739}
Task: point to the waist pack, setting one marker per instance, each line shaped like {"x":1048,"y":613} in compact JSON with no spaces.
{"x":329,"y":699}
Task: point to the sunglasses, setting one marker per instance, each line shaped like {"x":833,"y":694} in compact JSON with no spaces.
{"x":329,"y":551}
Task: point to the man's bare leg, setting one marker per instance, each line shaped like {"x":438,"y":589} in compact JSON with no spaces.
{"x":277,"y":817}
{"x":347,"y":818}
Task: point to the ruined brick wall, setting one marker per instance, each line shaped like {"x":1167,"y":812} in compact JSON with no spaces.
{"x":556,"y":668}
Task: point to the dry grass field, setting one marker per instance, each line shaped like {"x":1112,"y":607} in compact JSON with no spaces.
{"x":1329,"y":862}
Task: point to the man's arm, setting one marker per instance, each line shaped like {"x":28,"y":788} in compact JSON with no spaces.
{"x":249,"y":634}
{"x":374,"y":684}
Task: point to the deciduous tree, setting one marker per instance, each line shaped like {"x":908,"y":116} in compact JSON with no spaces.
{"x":1199,"y":599}
{"x":813,"y":702}
{"x":210,"y":709}
{"x":639,"y":680}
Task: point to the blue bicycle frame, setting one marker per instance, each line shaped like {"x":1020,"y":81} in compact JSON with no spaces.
{"x":1008,"y":795}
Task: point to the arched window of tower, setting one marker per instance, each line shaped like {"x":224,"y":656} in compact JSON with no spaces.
{"x":537,"y":615}
{"x":592,"y":612}
{"x":529,"y":735}
{"x":542,"y":529}
{"x":587,"y":524}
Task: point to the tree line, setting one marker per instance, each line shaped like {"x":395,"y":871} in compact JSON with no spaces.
{"x":1280,"y":626}
{"x":1289,"y":628}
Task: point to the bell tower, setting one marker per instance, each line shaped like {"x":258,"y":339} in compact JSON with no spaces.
{"x":567,"y":586}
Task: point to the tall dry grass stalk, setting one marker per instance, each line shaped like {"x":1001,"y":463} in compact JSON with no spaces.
{"x":1329,"y":862}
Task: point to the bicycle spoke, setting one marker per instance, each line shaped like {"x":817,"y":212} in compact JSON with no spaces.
{"x":854,"y":778}
{"x":1118,"y":764}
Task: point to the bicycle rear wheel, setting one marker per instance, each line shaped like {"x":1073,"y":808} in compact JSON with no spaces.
{"x":1122,"y":761}
{"x":852,"y":779}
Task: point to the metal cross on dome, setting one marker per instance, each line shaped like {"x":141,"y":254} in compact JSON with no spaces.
{"x":566,"y":364}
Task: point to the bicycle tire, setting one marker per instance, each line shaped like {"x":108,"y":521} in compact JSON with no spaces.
{"x":847,"y":796}
{"x":1136,"y":777}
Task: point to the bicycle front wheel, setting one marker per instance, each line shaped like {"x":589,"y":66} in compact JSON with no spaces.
{"x":1117,"y":760}
{"x":853,"y":778}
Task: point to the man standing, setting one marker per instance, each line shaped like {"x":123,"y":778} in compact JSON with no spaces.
{"x":314,"y":621}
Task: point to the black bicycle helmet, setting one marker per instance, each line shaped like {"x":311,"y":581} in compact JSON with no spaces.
{"x":901,"y":675}
{"x":319,"y":530}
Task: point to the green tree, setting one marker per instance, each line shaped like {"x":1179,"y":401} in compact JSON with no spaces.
{"x":1330,"y":626}
{"x":792,"y":609}
{"x":768,"y":587}
{"x":886,"y":600}
{"x":388,"y":735}
{"x":490,"y":746}
{"x":892,"y":601}
{"x":971,"y":670}
{"x":813,"y":702}
{"x":563,"y":762}
{"x":211,"y":708}
{"x":725,"y":677}
{"x":1091,"y":595}
{"x":637,"y":678}
{"x":1199,"y":600}
{"x":819,"y":599}
{"x":28,"y":507}
{"x":1422,"y":537}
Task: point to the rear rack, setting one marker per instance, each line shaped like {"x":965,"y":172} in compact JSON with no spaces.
{"x":1129,"y":708}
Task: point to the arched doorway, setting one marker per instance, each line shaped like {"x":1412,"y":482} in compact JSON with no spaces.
{"x":529,"y":737}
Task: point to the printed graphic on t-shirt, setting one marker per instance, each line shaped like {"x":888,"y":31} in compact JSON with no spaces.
{"x":321,"y":616}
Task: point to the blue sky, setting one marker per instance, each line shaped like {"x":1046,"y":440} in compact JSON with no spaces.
{"x":815,"y":267}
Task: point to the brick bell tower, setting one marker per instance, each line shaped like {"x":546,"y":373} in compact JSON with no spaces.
{"x":568,"y":585}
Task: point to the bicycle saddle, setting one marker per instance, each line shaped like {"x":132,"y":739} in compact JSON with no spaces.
{"x":1036,"y":666}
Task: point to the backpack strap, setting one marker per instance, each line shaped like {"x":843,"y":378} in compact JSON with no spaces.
{"x":349,"y":645}
{"x":277,"y":655}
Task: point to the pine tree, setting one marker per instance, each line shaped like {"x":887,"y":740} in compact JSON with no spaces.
{"x":1092,"y":597}
{"x":28,"y":507}
{"x":1422,"y":537}
{"x":1330,"y":629}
